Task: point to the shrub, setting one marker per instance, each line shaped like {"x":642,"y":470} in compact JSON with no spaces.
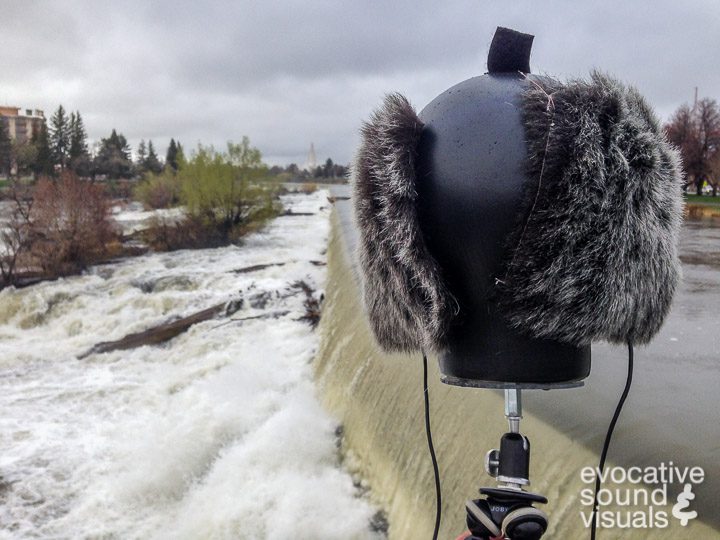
{"x":69,"y":226}
{"x":226,"y":196}
{"x":229,"y":191}
{"x":308,"y":188}
{"x":190,"y":232}
{"x":118,"y":188}
{"x":159,"y":190}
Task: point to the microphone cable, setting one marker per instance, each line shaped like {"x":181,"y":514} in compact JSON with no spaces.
{"x":428,"y":433}
{"x":608,"y":436}
{"x":603,"y":454}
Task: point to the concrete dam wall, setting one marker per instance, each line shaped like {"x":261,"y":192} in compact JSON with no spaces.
{"x":378,"y":399}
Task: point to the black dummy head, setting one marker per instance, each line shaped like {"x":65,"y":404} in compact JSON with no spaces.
{"x":515,"y":220}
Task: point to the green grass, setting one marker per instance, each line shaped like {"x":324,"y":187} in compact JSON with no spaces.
{"x":705,"y":199}
{"x":5,"y":182}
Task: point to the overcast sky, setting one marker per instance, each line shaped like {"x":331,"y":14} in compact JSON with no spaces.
{"x":286,"y":73}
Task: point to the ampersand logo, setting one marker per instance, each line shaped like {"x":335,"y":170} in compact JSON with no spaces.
{"x":678,"y":511}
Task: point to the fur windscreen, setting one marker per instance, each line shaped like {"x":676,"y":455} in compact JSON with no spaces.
{"x":594,"y":255}
{"x":408,"y":304}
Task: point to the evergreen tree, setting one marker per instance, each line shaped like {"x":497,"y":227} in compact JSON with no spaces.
{"x":78,"y":137}
{"x":171,"y":156}
{"x":121,"y":143}
{"x":180,"y":156}
{"x":142,"y":153}
{"x":152,"y":163}
{"x":329,"y":168}
{"x":44,"y":160}
{"x":79,"y":156}
{"x":5,"y":148}
{"x":141,"y":156}
{"x":113,"y":158}
{"x":60,"y":138}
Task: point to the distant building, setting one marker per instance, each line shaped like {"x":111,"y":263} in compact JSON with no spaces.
{"x":311,"y":163}
{"x":22,"y":123}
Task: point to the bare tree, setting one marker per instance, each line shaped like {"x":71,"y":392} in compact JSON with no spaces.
{"x":70,"y":224}
{"x":15,"y":235}
{"x":696,"y":132}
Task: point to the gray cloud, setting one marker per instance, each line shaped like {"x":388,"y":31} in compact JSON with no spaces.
{"x":288,"y":73}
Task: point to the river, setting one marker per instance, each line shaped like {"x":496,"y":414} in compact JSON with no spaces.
{"x":215,"y":434}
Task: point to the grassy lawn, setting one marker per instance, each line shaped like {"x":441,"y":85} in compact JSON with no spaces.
{"x":705,"y":199}
{"x":5,"y":182}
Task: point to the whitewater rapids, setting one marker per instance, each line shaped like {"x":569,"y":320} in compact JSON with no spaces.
{"x":215,"y":434}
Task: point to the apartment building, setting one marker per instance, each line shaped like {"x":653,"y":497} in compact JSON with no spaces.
{"x":22,"y":123}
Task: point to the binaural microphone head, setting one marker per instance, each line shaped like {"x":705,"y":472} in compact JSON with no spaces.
{"x":515,"y":220}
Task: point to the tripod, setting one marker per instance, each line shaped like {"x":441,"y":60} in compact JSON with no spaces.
{"x":506,"y":511}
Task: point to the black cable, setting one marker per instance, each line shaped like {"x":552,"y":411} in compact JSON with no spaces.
{"x":608,"y":436}
{"x":436,"y":471}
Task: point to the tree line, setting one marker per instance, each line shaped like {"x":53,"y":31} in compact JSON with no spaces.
{"x":329,"y":171}
{"x":58,"y":226}
{"x":63,"y":146}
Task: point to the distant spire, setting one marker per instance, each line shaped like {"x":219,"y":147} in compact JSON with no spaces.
{"x":311,"y":163}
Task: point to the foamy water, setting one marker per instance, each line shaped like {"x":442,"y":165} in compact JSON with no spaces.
{"x":215,"y":434}
{"x":134,"y":218}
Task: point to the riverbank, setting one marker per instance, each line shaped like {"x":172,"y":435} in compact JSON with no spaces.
{"x":132,"y":229}
{"x":701,"y":209}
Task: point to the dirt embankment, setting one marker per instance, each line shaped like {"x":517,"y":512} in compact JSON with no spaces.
{"x":702,"y":211}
